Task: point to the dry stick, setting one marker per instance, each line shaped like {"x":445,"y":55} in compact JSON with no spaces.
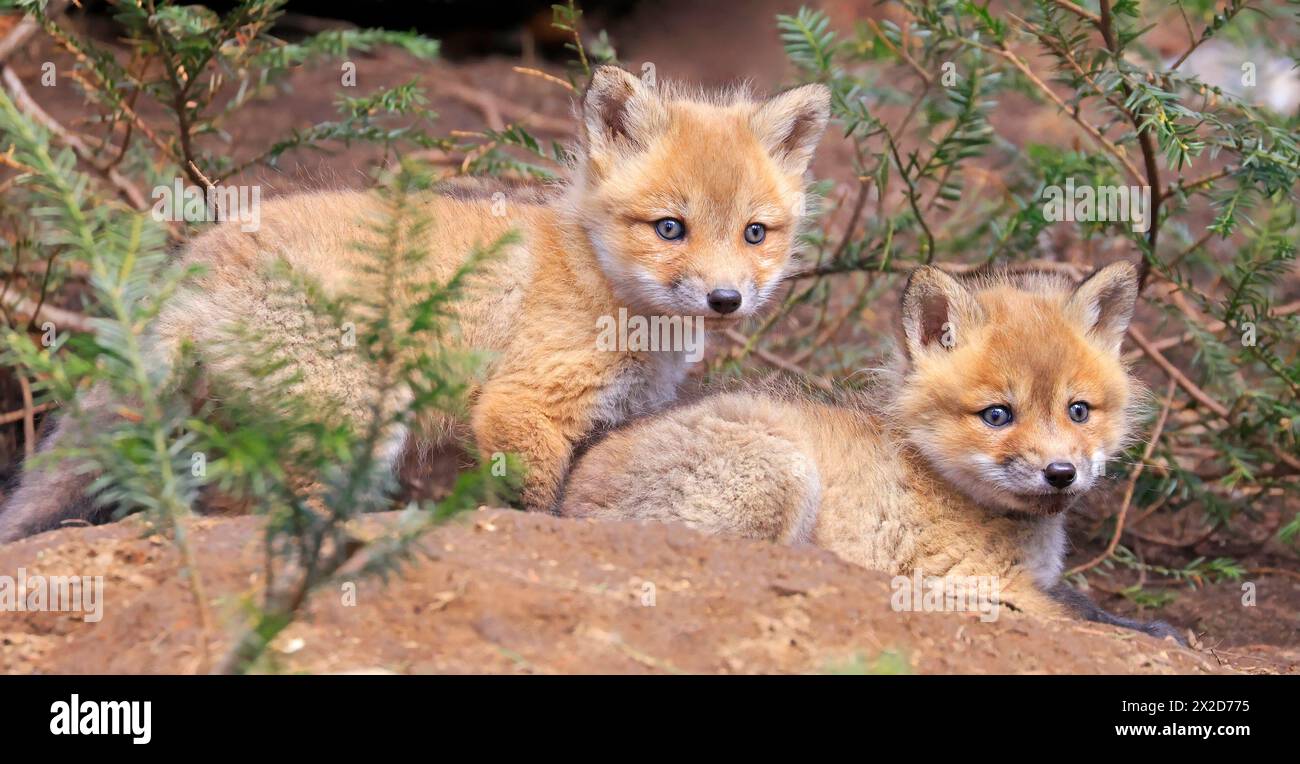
{"x":1154,"y":538}
{"x":1274,"y":572}
{"x":29,"y":417}
{"x":24,"y":101}
{"x":1082,"y":13}
{"x":20,"y":414}
{"x":495,"y":110}
{"x":551,"y":78}
{"x":1130,"y":488}
{"x":1069,"y":269}
{"x":902,"y":54}
{"x":23,"y":31}
{"x":1176,"y":376}
{"x":1228,"y":13}
{"x":65,"y":319}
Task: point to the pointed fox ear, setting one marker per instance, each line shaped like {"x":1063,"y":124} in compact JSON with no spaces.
{"x":791,"y":124}
{"x":618,"y":110}
{"x":1104,"y":302}
{"x":936,"y":308}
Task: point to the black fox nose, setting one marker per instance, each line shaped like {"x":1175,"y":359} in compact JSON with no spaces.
{"x":724,"y":301}
{"x":1059,"y":474}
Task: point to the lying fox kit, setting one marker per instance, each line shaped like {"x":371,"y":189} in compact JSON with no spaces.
{"x":679,"y":204}
{"x":1007,"y":398}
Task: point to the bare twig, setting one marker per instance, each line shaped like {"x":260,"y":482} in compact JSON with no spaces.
{"x":1230,"y":9}
{"x":23,"y":31}
{"x":1175,"y":375}
{"x":65,"y":319}
{"x":551,"y":78}
{"x":495,"y":111}
{"x":902,"y":54}
{"x":29,"y":417}
{"x":20,"y":414}
{"x":24,"y":102}
{"x":1082,"y":13}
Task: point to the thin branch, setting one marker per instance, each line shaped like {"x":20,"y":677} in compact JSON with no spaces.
{"x":24,"y":101}
{"x":29,"y":416}
{"x":64,"y":319}
{"x":1082,"y":13}
{"x":1175,"y":375}
{"x":551,"y":78}
{"x":902,"y":54}
{"x":1230,"y":9}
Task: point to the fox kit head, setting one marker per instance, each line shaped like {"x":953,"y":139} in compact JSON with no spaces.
{"x":692,"y":203}
{"x":1014,"y":390}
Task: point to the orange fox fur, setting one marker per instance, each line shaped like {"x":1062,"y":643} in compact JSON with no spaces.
{"x":910,"y":477}
{"x":716,"y":162}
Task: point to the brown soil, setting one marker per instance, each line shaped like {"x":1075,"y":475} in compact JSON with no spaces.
{"x":502,"y":591}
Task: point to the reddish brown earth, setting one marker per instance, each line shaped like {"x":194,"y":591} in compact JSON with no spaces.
{"x":506,"y":592}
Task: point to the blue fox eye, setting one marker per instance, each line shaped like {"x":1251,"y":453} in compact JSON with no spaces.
{"x":755,"y":233}
{"x":996,"y":416}
{"x":1079,"y":411}
{"x":670,"y":229}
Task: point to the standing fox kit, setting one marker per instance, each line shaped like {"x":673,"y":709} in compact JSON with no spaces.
{"x":679,"y":204}
{"x":1008,"y":396}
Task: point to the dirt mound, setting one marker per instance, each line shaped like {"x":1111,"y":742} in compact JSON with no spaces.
{"x":501,"y":591}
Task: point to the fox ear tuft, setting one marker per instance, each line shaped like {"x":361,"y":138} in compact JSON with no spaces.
{"x":617,"y":109}
{"x":791,"y":124}
{"x":1104,"y":302}
{"x":935,"y":308}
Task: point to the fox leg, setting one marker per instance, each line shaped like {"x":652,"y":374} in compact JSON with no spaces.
{"x":506,"y":421}
{"x":1025,"y":597}
{"x":1085,"y":608}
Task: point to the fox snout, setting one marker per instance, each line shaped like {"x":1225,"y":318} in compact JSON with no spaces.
{"x":1060,"y":475}
{"x":722,"y":296}
{"x":724,"y":301}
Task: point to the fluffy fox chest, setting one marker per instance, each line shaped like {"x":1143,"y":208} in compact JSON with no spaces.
{"x":639,"y":384}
